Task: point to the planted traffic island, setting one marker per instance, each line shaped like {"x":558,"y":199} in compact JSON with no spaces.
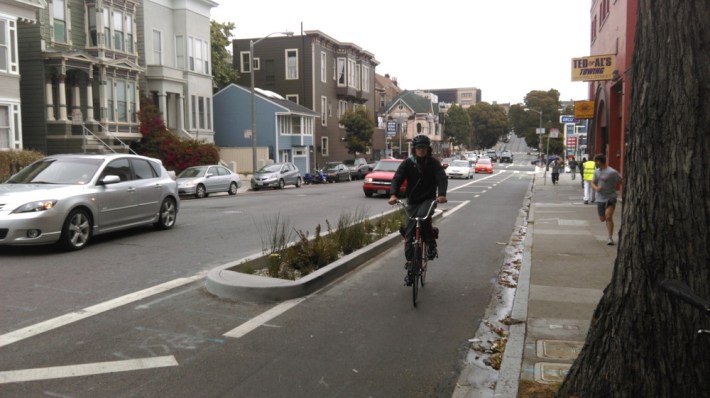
{"x":288,"y":269}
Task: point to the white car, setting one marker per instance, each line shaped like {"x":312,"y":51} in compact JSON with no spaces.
{"x":201,"y":181}
{"x":460,"y":169}
{"x":67,"y":199}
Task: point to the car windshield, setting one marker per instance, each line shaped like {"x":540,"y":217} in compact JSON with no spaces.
{"x":349,"y":162}
{"x":483,"y":161}
{"x":386,"y":166}
{"x":193,"y":172}
{"x":57,"y":171}
{"x":331,"y":166}
{"x":270,"y":168}
{"x":460,"y":163}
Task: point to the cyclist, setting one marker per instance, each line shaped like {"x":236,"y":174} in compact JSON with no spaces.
{"x":426,"y":181}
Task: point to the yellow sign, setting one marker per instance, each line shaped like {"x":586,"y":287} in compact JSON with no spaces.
{"x":584,"y":109}
{"x":596,"y":67}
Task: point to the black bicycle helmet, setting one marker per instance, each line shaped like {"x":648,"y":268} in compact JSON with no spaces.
{"x":421,"y":140}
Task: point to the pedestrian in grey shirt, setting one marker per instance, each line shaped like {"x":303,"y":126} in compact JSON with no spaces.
{"x":604,"y":184}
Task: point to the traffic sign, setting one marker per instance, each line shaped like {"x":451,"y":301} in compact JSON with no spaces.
{"x":391,"y":128}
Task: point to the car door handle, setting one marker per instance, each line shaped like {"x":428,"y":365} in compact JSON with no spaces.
{"x":131,"y":189}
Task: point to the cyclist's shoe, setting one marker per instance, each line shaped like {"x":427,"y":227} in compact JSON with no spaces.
{"x":408,"y":279}
{"x":408,"y":265}
{"x":432,"y":253}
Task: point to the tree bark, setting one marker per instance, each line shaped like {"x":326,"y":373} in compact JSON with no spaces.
{"x":642,"y":342}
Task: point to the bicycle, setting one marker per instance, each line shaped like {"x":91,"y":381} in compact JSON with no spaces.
{"x":417,"y":274}
{"x":680,"y":290}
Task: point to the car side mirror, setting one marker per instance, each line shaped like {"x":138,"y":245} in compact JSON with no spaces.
{"x":110,"y":179}
{"x":208,"y":175}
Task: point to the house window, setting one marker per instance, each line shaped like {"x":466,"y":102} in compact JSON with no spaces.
{"x":129,"y":34}
{"x":358,"y":77}
{"x":118,"y":30}
{"x":366,"y":79}
{"x":157,"y":47}
{"x":193,"y":111}
{"x":291,"y":64}
{"x":8,"y":46}
{"x":244,"y":64}
{"x":60,"y":21}
{"x":109,"y":100}
{"x":197,"y":52}
{"x":93,"y":35}
{"x":180,"y":52}
{"x":5,"y":136}
{"x":324,"y":146}
{"x":292,"y":97}
{"x":341,"y":72}
{"x":324,"y":111}
{"x":208,"y":110}
{"x":342,"y":108}
{"x":323,"y":69}
{"x":351,"y":73}
{"x":121,"y":101}
{"x":106,"y":18}
{"x":201,"y":104}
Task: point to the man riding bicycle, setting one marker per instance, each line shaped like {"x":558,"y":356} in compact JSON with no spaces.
{"x":426,"y":181}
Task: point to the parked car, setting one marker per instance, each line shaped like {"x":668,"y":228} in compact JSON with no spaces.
{"x":484,"y":165}
{"x":460,"y":169}
{"x":550,"y":159}
{"x":201,"y":181}
{"x":506,"y":157}
{"x":445,"y":162}
{"x":68,"y":199}
{"x":276,"y":175}
{"x":336,"y":172}
{"x":358,"y":167}
{"x":379,"y":181}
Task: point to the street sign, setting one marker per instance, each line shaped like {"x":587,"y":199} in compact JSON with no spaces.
{"x":247,"y":133}
{"x":566,"y":118}
{"x":554,"y":133}
{"x":540,"y":131}
{"x":391,"y":128}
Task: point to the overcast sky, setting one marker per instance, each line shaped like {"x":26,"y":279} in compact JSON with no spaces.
{"x":506,"y":48}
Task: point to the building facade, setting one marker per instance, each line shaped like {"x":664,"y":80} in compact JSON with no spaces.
{"x":318,"y":72}
{"x":12,"y":14}
{"x":175,"y":51}
{"x":613,"y":27}
{"x":415,"y":113}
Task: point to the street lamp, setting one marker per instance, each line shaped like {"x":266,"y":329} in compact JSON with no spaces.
{"x":538,"y":132}
{"x":252,"y":43}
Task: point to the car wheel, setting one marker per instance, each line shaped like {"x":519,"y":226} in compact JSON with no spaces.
{"x":368,"y":194}
{"x":76,"y":230}
{"x":282,"y":184}
{"x":200,"y":191}
{"x":298,"y":182}
{"x":233,"y":188}
{"x":167,"y":214}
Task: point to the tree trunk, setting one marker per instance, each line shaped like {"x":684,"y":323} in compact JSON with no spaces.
{"x":642,"y":342}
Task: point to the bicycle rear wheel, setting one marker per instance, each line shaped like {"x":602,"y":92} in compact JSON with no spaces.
{"x":415,"y":280}
{"x":422,"y":269}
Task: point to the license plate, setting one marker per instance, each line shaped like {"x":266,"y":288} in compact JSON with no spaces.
{"x":381,"y":192}
{"x":259,"y":183}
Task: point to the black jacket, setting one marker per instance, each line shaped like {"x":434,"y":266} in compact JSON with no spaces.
{"x":425,"y":181}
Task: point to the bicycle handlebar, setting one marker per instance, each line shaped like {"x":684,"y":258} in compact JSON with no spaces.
{"x":428,"y":212}
{"x":680,"y":290}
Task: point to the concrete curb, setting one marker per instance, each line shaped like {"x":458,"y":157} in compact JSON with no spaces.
{"x":225,"y":282}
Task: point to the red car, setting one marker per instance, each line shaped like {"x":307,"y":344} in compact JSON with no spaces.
{"x":484,"y":166}
{"x":379,"y":180}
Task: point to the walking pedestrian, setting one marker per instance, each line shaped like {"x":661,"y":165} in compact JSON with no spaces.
{"x":572,"y":163}
{"x":604,"y":183}
{"x":557,"y":165}
{"x":587,"y":176}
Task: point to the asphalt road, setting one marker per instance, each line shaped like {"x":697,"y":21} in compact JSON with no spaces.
{"x":129,"y":315}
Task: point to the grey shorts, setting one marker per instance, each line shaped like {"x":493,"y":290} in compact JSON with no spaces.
{"x":601,"y":206}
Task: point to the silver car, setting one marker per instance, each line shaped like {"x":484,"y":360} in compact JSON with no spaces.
{"x":67,"y":199}
{"x":276,"y":175}
{"x":204,"y":180}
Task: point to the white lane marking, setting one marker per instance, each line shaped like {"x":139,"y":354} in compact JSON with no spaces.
{"x":452,"y":210}
{"x":32,"y":330}
{"x":58,"y":372}
{"x":261,"y":319}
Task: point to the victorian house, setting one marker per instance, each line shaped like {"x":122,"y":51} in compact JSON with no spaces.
{"x":13,"y":13}
{"x":86,"y":65}
{"x":316,"y":71}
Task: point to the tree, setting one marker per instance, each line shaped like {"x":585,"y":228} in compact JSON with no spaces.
{"x":458,"y":125}
{"x":489,"y":123}
{"x":641,"y":342}
{"x":223,"y":72}
{"x":359,"y":128}
{"x":525,"y":122}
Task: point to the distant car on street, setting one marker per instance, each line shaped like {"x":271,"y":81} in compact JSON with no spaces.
{"x":492,"y":154}
{"x":460,"y":169}
{"x":506,"y":156}
{"x":336,"y":172}
{"x":358,"y":167}
{"x":201,"y":181}
{"x":484,"y":166}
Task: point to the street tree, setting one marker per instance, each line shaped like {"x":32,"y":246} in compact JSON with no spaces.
{"x":359,"y":128}
{"x":489,"y":124}
{"x":643,"y":342}
{"x":223,"y":72}
{"x":458,"y":126}
{"x":525,"y":119}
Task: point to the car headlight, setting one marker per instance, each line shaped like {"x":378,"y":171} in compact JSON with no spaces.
{"x":39,"y":205}
{"x":187,"y":184}
{"x":368,"y":179}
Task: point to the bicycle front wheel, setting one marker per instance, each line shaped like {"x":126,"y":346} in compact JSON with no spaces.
{"x":415,"y":280}
{"x":422,"y":269}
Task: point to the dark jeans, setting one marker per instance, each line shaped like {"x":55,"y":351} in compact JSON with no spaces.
{"x":418,"y":210}
{"x":555,"y":177}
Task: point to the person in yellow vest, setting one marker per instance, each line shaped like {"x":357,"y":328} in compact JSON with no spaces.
{"x":587,"y":176}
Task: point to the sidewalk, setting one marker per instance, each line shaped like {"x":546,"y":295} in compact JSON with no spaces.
{"x":566,"y":266}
